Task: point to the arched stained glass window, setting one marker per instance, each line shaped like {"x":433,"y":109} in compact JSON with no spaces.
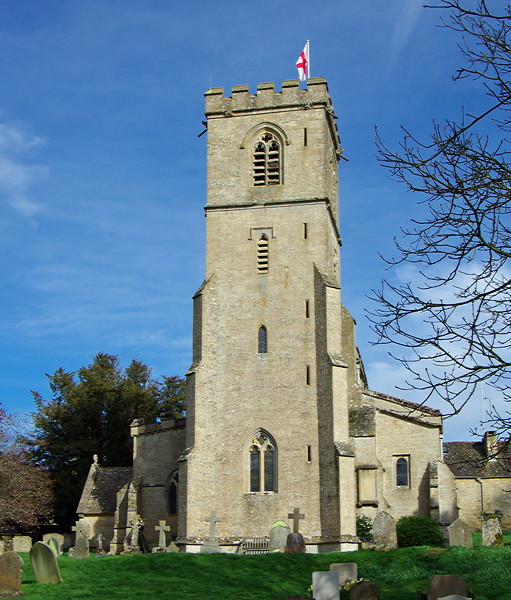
{"x":263,"y":463}
{"x":173,"y":493}
{"x":262,"y":340}
{"x":402,"y":472}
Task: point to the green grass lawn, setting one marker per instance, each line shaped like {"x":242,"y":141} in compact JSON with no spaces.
{"x":268,"y":577}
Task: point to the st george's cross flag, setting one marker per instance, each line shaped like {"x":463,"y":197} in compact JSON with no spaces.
{"x":302,"y":64}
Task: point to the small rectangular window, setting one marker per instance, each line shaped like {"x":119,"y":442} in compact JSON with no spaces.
{"x":305,"y":136}
{"x":307,"y":310}
{"x":308,"y":375}
{"x":305,"y":231}
{"x":309,"y":454}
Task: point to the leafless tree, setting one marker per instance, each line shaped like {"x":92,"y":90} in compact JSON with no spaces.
{"x":452,"y":325}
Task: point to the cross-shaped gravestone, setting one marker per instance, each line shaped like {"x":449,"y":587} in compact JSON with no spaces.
{"x":162,"y":528}
{"x":296,"y":516}
{"x":78,"y":528}
{"x":136,"y":526}
{"x":100,"y":539}
{"x":212,"y":520}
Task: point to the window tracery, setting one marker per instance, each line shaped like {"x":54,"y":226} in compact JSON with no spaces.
{"x":267,"y":160}
{"x":263,"y":463}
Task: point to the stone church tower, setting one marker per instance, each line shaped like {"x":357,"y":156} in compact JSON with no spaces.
{"x":279,"y":413}
{"x":267,"y":416}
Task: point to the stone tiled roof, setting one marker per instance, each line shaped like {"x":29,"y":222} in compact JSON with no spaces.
{"x":469,"y":459}
{"x":406,"y":403}
{"x":100,"y":493}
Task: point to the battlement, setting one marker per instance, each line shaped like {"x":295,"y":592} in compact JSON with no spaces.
{"x":241,"y":100}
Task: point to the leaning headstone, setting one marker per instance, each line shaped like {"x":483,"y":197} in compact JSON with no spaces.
{"x":491,"y":533}
{"x":11,"y":566}
{"x":364,"y":590}
{"x":460,"y":533}
{"x":21,"y":543}
{"x":347,"y":571}
{"x":278,"y":535}
{"x":384,"y":531}
{"x":53,"y":543}
{"x":44,"y":564}
{"x":325,"y":585}
{"x":440,"y":586}
{"x":295,"y":543}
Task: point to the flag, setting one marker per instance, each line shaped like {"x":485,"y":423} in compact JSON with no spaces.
{"x":302,"y":64}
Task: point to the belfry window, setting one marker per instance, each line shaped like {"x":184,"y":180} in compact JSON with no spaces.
{"x":267,"y":160}
{"x":263,"y":463}
{"x":402,"y":472}
{"x":262,"y":340}
{"x":263,"y":254}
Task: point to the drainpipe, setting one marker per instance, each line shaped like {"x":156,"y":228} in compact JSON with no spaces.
{"x":478,"y":479}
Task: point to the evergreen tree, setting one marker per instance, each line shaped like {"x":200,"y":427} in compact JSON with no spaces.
{"x":89,"y":413}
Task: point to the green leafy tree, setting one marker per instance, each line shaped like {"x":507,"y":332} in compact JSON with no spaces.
{"x":450,"y":322}
{"x":26,"y":498}
{"x":89,"y":413}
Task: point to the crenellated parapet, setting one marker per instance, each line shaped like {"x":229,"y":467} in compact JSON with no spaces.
{"x":241,"y":100}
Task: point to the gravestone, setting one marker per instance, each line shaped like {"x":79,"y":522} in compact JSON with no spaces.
{"x":364,"y":590}
{"x":460,"y":533}
{"x":278,"y":535}
{"x":11,"y":566}
{"x":81,"y":549}
{"x":162,"y":528}
{"x":100,"y":550}
{"x":491,"y":533}
{"x":296,"y":516}
{"x":347,"y":571}
{"x":58,"y":537}
{"x":21,"y":543}
{"x":384,"y":531}
{"x":53,"y":543}
{"x":325,"y":585}
{"x":454,"y":597}
{"x":210,"y":545}
{"x":295,"y":543}
{"x":172,"y":547}
{"x":440,"y":586}
{"x":44,"y":564}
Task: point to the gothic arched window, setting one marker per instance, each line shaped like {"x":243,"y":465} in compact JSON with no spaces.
{"x":262,"y":340}
{"x":267,"y":160}
{"x":402,"y":472}
{"x":172,"y":490}
{"x":263,"y":463}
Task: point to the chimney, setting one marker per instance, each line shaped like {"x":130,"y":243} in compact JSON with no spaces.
{"x":490,"y":444}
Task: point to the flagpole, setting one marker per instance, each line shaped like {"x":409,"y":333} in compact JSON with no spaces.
{"x":309,"y":57}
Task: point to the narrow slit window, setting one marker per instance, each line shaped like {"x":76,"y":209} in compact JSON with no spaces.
{"x":267,"y":160}
{"x":263,"y":254}
{"x":262,"y":340}
{"x":172,"y":490}
{"x":308,"y":375}
{"x":305,"y":231}
{"x":309,"y":454}
{"x":402,"y":475}
{"x":307,"y":309}
{"x":305,"y":136}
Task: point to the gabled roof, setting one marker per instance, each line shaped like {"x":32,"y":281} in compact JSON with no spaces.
{"x":469,"y":459}
{"x":99,"y":495}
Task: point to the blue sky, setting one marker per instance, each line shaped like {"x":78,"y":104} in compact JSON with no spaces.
{"x":102,"y":175}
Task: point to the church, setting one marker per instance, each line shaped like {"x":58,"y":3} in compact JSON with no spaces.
{"x":279,"y":414}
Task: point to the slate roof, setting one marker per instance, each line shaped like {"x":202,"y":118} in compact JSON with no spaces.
{"x":100,"y":492}
{"x":468,"y":459}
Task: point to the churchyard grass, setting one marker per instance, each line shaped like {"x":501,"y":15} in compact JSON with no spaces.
{"x":267,"y":577}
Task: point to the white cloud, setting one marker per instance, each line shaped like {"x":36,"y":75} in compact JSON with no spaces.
{"x":405,"y":25}
{"x":17,"y":175}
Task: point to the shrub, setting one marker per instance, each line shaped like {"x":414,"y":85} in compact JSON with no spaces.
{"x":364,"y":528}
{"x":418,"y":531}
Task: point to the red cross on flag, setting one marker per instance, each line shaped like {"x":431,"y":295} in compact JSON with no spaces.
{"x":302,"y":64}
